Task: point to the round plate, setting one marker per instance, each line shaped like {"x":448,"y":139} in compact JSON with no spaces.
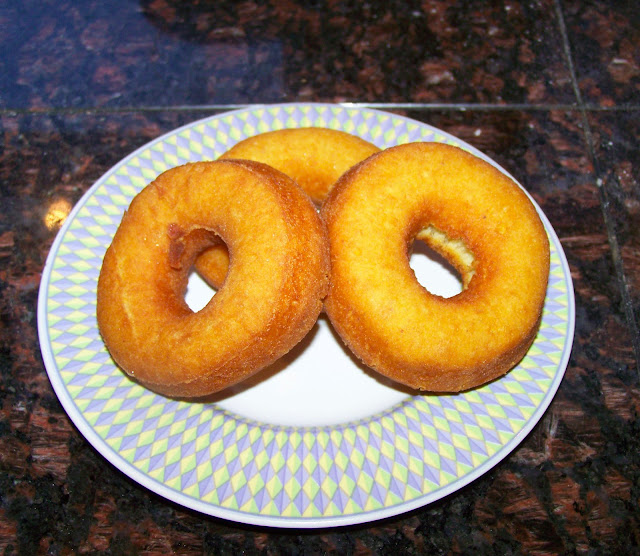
{"x":315,"y":441}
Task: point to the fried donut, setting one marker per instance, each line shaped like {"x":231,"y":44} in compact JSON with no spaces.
{"x":473,"y":215}
{"x":268,"y":303}
{"x":314,"y":157}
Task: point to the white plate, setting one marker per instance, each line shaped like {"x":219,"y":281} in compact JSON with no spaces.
{"x":318,"y":440}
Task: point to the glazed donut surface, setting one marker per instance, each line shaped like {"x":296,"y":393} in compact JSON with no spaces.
{"x":267,"y":304}
{"x":314,"y":157}
{"x":475,"y":216}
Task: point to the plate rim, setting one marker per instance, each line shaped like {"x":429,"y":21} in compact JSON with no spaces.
{"x":121,"y":464}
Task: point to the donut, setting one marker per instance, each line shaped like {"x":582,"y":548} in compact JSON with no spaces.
{"x":267,"y":304}
{"x":314,"y":157}
{"x":473,"y":215}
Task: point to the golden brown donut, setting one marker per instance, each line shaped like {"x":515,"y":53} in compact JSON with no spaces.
{"x":268,"y":302}
{"x":314,"y":157}
{"x":474,"y":215}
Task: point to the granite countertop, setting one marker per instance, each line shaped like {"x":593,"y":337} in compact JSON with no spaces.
{"x":549,"y":89}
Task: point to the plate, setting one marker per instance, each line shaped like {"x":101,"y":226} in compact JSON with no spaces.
{"x":317,"y":440}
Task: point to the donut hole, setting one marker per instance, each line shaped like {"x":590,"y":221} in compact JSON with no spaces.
{"x":434,"y":272}
{"x":443,"y":266}
{"x":198,"y":293}
{"x":206,"y":257}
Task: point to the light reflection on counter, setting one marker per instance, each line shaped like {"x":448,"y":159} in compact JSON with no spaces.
{"x":57,"y":214}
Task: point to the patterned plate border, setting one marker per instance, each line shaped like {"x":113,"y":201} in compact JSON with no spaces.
{"x":224,"y":465}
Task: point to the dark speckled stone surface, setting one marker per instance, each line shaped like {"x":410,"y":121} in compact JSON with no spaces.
{"x":550,"y":89}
